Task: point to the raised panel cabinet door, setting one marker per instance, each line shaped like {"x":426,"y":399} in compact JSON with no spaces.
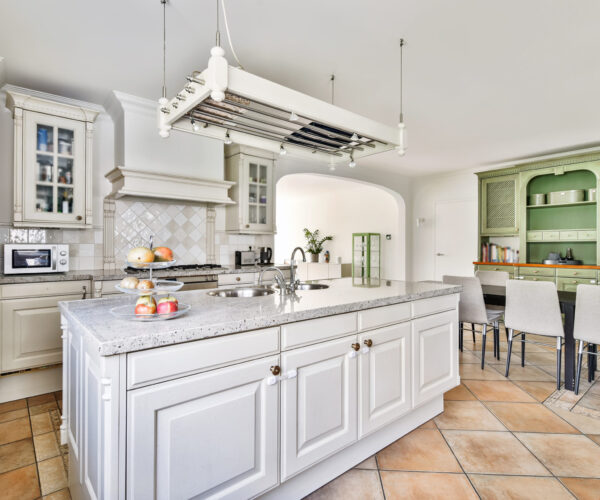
{"x":383,"y":377}
{"x":499,"y":208}
{"x":213,"y":435}
{"x":318,"y":405}
{"x":435,"y":355}
{"x":31,"y":333}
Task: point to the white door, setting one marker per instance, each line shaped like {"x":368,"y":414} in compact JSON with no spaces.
{"x":212,"y":435}
{"x":383,"y":377}
{"x":455,"y":238}
{"x":319,"y":413}
{"x":435,"y":355}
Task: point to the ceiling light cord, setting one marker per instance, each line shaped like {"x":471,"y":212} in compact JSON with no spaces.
{"x":401,"y":127}
{"x":164,"y":49}
{"x":229,"y":35}
{"x":217,"y":32}
{"x":332,"y":79}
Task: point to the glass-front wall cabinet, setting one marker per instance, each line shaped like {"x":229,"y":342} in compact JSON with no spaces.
{"x":52,"y":163}
{"x":366,"y":256}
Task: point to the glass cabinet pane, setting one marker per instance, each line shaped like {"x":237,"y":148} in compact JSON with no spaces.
{"x":44,"y":168}
{"x":263,"y":174}
{"x":252,"y":216}
{"x":263,"y":195}
{"x":65,"y":171}
{"x":262,"y":214}
{"x":253,"y":175}
{"x":65,"y":141}
{"x":44,"y":198}
{"x":45,"y":138}
{"x":252,"y":193}
{"x":65,"y":200}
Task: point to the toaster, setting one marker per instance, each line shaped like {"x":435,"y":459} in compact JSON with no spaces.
{"x":245,"y":258}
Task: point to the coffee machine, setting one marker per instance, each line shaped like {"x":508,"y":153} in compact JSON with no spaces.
{"x":265,"y":255}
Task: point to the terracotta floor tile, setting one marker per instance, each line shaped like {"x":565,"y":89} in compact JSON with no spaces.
{"x":530,"y":417}
{"x":58,"y":395}
{"x":59,"y":495}
{"x":36,"y":410}
{"x":13,"y":405}
{"x":14,"y":414}
{"x":586,"y":424}
{"x":421,"y":485}
{"x":14,"y":430}
{"x":370,"y":463}
{"x":459,"y":393}
{"x":497,"y":390}
{"x":474,"y":372}
{"x":20,"y":484}
{"x":16,"y":455}
{"x":430,"y":424}
{"x":354,"y":484}
{"x":421,"y":450}
{"x":467,"y":415}
{"x":583,"y":489}
{"x":565,"y":454}
{"x":52,"y":475}
{"x":527,"y":372}
{"x":41,"y":423}
{"x":41,"y":399}
{"x":539,"y":390}
{"x":45,"y":446}
{"x":513,"y":488}
{"x":595,"y":438}
{"x":493,"y":453}
{"x":55,"y":419}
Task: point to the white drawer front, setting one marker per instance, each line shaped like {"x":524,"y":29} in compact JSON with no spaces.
{"x":434,"y":305}
{"x":316,"y":330}
{"x":235,"y":279}
{"x":155,"y":365}
{"x":381,"y":316}
{"x":45,"y":288}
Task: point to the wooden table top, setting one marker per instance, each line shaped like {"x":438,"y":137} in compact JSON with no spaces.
{"x":523,"y":264}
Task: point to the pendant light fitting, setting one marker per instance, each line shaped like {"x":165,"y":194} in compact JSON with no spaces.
{"x":402,"y":128}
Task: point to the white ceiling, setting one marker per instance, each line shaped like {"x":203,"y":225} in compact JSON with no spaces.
{"x":484,"y":81}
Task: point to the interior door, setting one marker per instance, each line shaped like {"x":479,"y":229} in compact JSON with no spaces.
{"x":383,"y":377}
{"x":455,"y":238}
{"x":212,"y":435}
{"x":319,"y":412}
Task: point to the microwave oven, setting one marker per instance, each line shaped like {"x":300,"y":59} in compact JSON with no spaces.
{"x":29,"y":258}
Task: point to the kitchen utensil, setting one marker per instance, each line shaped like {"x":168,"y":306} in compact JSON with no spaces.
{"x":569,"y":196}
{"x":265,"y":255}
{"x":537,"y":199}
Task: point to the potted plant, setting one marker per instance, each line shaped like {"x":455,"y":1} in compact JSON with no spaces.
{"x":314,"y":243}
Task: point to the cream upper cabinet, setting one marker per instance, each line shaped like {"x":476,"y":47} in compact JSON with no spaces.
{"x":499,"y":207}
{"x":52,"y":162}
{"x":254,"y":191}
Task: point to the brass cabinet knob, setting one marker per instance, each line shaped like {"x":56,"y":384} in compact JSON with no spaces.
{"x":79,"y":217}
{"x":247,"y":226}
{"x":356,"y":346}
{"x":368,"y":342}
{"x":275,"y":370}
{"x":238,"y":279}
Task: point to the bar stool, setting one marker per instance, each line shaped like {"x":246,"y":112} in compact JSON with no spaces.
{"x":471,"y":309}
{"x":494,"y":278}
{"x":587,"y":326}
{"x":533,"y":307}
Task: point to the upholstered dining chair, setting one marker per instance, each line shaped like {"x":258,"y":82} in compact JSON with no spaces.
{"x":471,"y":309}
{"x":587,"y":324}
{"x":533,"y":307}
{"x":495,"y":278}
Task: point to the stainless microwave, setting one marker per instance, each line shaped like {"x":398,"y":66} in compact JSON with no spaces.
{"x":28,"y":258}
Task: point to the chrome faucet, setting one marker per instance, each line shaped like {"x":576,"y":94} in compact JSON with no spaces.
{"x":293,"y":281}
{"x":279,"y":278}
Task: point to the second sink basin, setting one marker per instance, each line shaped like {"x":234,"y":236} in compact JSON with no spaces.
{"x":242,"y":292}
{"x":311,"y":286}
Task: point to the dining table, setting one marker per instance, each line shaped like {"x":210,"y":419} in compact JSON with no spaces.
{"x":496,"y":295}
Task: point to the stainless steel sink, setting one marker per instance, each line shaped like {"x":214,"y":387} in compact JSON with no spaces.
{"x":255,"y":291}
{"x":311,"y":286}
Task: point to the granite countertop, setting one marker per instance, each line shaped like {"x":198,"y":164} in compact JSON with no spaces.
{"x":215,"y":316}
{"x":102,"y":275}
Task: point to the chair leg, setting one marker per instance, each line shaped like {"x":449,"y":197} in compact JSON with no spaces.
{"x":497,"y":339}
{"x":484,"y":326}
{"x":473,"y":330}
{"x":558,"y":361}
{"x":522,"y":349}
{"x":460,"y":336}
{"x":579,"y":363}
{"x":509,"y":332}
{"x":590,"y":363}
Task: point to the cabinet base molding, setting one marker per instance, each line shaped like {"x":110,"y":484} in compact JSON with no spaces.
{"x":323,"y":472}
{"x":30,"y":383}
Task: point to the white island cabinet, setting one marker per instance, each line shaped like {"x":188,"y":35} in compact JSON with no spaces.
{"x":236,"y":407}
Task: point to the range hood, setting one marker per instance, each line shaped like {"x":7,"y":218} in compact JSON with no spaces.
{"x":230,"y":104}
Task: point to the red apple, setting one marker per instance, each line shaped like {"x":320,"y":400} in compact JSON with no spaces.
{"x":163,"y":254}
{"x":145,"y":305}
{"x":167,"y":305}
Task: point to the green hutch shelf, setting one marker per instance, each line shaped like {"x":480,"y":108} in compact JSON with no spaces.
{"x":366,"y":255}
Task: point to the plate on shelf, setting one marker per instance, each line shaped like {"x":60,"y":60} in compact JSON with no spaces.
{"x":160,"y":286}
{"x":126,"y":312}
{"x":151,"y":265}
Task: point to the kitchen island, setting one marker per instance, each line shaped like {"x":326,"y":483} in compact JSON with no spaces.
{"x":273,"y":395}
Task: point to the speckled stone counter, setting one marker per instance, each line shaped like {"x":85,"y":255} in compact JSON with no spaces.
{"x":214,"y":316}
{"x":101,"y":275}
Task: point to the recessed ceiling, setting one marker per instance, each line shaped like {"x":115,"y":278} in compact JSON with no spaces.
{"x":484,"y":81}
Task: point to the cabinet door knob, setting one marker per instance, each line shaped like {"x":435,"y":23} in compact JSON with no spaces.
{"x":238,"y":279}
{"x":275,"y":370}
{"x":84,"y":292}
{"x":79,"y":217}
{"x":247,"y":225}
{"x":368,"y":342}
{"x":356,"y":346}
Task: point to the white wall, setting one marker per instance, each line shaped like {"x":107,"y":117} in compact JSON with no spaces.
{"x":339,"y":207}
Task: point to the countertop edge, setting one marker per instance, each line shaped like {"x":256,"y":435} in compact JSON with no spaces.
{"x":527,"y":264}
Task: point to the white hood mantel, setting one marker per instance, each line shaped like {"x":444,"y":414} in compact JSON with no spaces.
{"x":140,"y":183}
